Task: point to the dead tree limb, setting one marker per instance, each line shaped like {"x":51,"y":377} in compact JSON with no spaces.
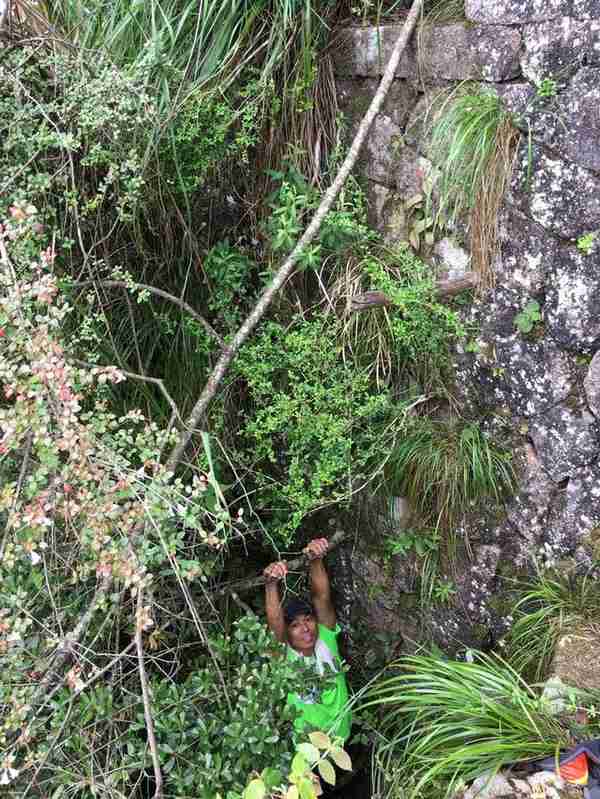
{"x":286,"y":269}
{"x":255,"y":582}
{"x":158,"y":778}
{"x":443,"y":290}
{"x":123,"y":284}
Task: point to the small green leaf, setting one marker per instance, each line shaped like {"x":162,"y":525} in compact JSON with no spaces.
{"x":299,"y":765}
{"x":272,"y":778}
{"x":320,"y":740}
{"x":255,"y":790}
{"x":310,"y":752}
{"x":341,"y":758}
{"x":307,"y":789}
{"x":327,"y":771}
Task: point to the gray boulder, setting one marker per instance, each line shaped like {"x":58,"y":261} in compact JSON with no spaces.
{"x":592,"y":385}
{"x":510,"y":12}
{"x":572,"y":309}
{"x":454,"y":51}
{"x":365,"y":51}
{"x":569,"y":123}
{"x":563,"y":198}
{"x":565,"y":440}
{"x":554,"y":49}
{"x":457,"y":51}
{"x":526,"y":253}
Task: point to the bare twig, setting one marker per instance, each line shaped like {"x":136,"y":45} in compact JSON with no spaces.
{"x":64,"y":651}
{"x":286,"y":269}
{"x":255,"y":582}
{"x":134,"y":376}
{"x":20,"y":481}
{"x":101,"y":672}
{"x":122,"y":284}
{"x":158,"y":792}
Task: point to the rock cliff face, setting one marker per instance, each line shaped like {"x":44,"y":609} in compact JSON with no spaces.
{"x":542,"y":388}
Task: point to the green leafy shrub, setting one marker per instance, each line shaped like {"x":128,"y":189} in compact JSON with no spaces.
{"x":315,"y":424}
{"x":408,"y":340}
{"x":228,"y":719}
{"x":526,"y":319}
{"x":75,"y":148}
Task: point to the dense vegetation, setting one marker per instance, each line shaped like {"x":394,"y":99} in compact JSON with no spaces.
{"x":158,"y":160}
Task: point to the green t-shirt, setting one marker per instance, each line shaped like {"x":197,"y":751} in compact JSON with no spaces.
{"x":325,"y":712}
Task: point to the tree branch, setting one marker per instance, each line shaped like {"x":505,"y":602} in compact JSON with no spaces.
{"x":285,"y":270}
{"x":158,"y":792}
{"x":134,"y":376}
{"x":123,"y":284}
{"x":443,"y":290}
{"x":255,"y":582}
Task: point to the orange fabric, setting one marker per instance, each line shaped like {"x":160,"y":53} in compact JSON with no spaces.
{"x":576,"y":770}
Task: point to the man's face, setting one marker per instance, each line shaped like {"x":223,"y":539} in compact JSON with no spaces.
{"x":302,"y":633}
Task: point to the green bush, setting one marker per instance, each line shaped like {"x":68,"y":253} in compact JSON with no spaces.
{"x":228,"y":719}
{"x":315,"y":425}
{"x":73,"y":141}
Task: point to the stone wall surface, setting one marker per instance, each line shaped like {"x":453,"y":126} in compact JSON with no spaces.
{"x":543,"y":387}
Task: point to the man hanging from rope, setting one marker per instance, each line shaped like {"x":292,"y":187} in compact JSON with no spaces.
{"x":310,"y":631}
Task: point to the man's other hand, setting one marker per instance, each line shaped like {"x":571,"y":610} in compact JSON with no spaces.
{"x":316,"y":549}
{"x":275,"y":571}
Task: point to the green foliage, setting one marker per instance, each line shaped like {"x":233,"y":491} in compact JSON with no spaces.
{"x":411,"y":339}
{"x":421,"y":328}
{"x":443,"y":591}
{"x":446,"y":723}
{"x":552,"y":605}
{"x":526,"y":319}
{"x":315,"y":424}
{"x":208,"y":130}
{"x":585,"y":243}
{"x":291,"y":203}
{"x":234,"y":62}
{"x":421,"y":542}
{"x":547,"y":88}
{"x":76,"y":153}
{"x":228,"y":272}
{"x":464,"y":132}
{"x":227,"y":719}
{"x":320,"y":754}
{"x":445,"y":467}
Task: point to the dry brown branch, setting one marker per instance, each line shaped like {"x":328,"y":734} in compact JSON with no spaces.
{"x":122,"y":284}
{"x":255,"y":582}
{"x":443,"y":290}
{"x":158,"y":792}
{"x":286,"y":269}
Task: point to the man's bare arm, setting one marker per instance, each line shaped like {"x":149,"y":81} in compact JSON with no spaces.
{"x":275,"y":619}
{"x":319,"y":582}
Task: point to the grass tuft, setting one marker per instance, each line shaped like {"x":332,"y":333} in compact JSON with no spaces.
{"x":444,"y":723}
{"x":445,"y":467}
{"x":472,"y":145}
{"x":552,"y":605}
